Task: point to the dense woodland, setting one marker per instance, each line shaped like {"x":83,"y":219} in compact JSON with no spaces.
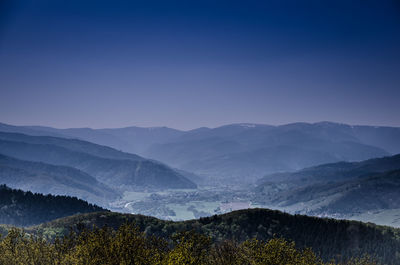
{"x":128,"y":245}
{"x":330,"y":239}
{"x":23,"y":208}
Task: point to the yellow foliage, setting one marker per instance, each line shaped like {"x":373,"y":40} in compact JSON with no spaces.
{"x":129,"y":246}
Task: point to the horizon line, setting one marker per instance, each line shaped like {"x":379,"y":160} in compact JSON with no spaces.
{"x":201,"y":127}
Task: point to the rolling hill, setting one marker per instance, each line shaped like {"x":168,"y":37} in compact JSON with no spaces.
{"x":243,"y":152}
{"x":129,"y":139}
{"x":248,"y":151}
{"x":370,"y":194}
{"x":367,"y":190}
{"x":332,"y":239}
{"x":59,"y":180}
{"x":116,"y":169}
{"x":333,"y":172}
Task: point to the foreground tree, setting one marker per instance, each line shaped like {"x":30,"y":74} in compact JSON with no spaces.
{"x":128,"y":245}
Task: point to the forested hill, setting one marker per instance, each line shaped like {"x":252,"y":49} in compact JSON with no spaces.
{"x":57,"y":180}
{"x":23,"y":208}
{"x":333,"y":172}
{"x":107,"y":165}
{"x":330,"y":238}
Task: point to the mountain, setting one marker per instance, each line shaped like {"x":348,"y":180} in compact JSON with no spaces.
{"x":112,"y":167}
{"x":129,"y":139}
{"x":139,"y":139}
{"x":59,"y":180}
{"x":333,"y":172}
{"x":354,"y":198}
{"x":332,"y":239}
{"x":30,"y":130}
{"x":72,"y":145}
{"x":367,"y":190}
{"x":242,"y":151}
{"x":383,"y":137}
{"x":23,"y":208}
{"x":87,"y":134}
{"x":249,"y":151}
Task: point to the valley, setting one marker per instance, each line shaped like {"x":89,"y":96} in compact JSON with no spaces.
{"x":179,"y":205}
{"x":329,"y":185}
{"x":350,"y":180}
{"x":199,"y":132}
{"x":192,"y":204}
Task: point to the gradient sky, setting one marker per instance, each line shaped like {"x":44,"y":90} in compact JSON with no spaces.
{"x":186,"y":64}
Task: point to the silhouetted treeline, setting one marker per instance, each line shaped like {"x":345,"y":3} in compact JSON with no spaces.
{"x":23,"y":208}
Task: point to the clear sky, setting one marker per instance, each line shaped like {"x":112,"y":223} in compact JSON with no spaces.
{"x":186,"y":64}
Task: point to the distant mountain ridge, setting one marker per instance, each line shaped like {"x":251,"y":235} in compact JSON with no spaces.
{"x":242,"y":151}
{"x":58,"y":180}
{"x":108,"y":165}
{"x":129,"y":139}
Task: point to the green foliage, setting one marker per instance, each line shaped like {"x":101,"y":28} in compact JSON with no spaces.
{"x":330,"y":239}
{"x":276,"y":251}
{"x":190,"y":248}
{"x":18,"y":248}
{"x":128,"y":245}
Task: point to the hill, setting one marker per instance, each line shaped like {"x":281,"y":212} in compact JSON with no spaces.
{"x":139,"y":139}
{"x":23,"y":208}
{"x":330,"y":238}
{"x":332,"y":172}
{"x":248,"y":151}
{"x":367,"y":190}
{"x":115,"y":168}
{"x":129,"y":139}
{"x":346,"y":199}
{"x":377,"y":192}
{"x":59,"y":180}
{"x":75,"y":145}
{"x":242,"y":151}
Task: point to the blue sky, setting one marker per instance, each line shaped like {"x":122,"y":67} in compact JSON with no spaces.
{"x":188,"y":64}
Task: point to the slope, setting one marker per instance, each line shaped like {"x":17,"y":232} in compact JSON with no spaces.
{"x":23,"y":208}
{"x":106,"y":164}
{"x":60,"y":180}
{"x":347,"y":198}
{"x":333,"y":172}
{"x":331,"y":238}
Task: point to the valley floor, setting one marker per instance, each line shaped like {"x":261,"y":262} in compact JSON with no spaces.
{"x":187,"y":204}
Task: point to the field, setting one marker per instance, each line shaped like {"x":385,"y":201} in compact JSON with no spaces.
{"x":180,"y":205}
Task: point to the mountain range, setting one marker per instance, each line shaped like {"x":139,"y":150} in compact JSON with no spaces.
{"x":333,"y":172}
{"x":51,"y":179}
{"x":243,"y":152}
{"x":107,"y":165}
{"x":353,"y":190}
{"x":321,"y":169}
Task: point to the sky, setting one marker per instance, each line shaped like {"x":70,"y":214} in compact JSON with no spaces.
{"x":188,"y":64}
